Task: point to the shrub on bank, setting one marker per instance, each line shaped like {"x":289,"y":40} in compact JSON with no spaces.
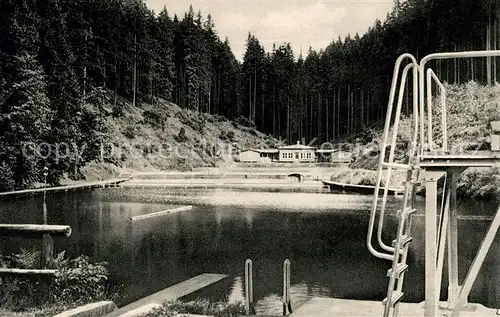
{"x":77,"y":282}
{"x":470,"y":109}
{"x":200,"y":307}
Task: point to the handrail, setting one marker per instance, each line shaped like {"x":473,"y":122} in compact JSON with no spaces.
{"x":392,"y":152}
{"x":431,"y":76}
{"x":447,"y":55}
{"x":392,"y":93}
{"x":287,"y":304}
{"x":248,"y":287}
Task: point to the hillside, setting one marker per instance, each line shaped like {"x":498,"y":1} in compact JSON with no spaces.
{"x":167,"y":137}
{"x":471,"y":108}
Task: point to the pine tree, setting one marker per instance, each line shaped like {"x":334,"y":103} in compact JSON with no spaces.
{"x":24,"y":115}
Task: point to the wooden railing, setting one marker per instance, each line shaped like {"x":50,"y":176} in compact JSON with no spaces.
{"x":45,"y":232}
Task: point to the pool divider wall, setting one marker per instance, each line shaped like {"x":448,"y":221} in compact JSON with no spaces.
{"x":171,"y":293}
{"x":161,"y":213}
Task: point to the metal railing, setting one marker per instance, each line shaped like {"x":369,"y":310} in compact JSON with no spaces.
{"x":287,"y":304}
{"x":46,"y":232}
{"x":249,"y":303}
{"x":385,"y":136}
{"x":248,"y":288}
{"x":422,"y":85}
{"x":390,"y":165}
{"x":432,"y":77}
{"x":422,"y":69}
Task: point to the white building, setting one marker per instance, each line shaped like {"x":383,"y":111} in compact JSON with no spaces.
{"x":333,"y":156}
{"x":297,"y":153}
{"x":250,"y":156}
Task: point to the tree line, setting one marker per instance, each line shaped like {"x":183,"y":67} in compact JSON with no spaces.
{"x":64,"y":63}
{"x":344,"y":87}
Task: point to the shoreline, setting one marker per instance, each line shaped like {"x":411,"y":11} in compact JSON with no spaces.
{"x":303,"y":180}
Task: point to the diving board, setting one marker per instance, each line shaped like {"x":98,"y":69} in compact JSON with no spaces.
{"x":171,"y":293}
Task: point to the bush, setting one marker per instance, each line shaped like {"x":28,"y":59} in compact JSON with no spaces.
{"x":80,"y":281}
{"x":129,"y":131}
{"x":480,"y":183}
{"x":199,"y":307}
{"x":245,"y":122}
{"x":117,"y":111}
{"x":155,"y":118}
{"x":181,"y":137}
{"x":227,"y":135}
{"x":7,"y":182}
{"x":77,"y":282}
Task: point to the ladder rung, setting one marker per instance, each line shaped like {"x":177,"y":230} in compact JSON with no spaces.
{"x":404,"y":241}
{"x":408,"y":211}
{"x":400,"y":268}
{"x":397,"y":296}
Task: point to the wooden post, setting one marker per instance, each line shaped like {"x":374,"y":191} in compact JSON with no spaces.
{"x":47,"y":241}
{"x":48,"y":251}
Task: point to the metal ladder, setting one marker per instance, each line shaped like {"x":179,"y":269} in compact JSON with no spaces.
{"x":398,"y":251}
{"x":401,"y":245}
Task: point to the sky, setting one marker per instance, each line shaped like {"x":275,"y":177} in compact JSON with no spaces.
{"x":303,"y":23}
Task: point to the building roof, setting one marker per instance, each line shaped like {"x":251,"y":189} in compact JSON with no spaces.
{"x":297,"y":146}
{"x":270,"y":151}
{"x":327,"y":150}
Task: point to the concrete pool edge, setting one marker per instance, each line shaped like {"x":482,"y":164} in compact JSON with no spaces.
{"x":90,"y":310}
{"x":330,"y":307}
{"x":171,"y":293}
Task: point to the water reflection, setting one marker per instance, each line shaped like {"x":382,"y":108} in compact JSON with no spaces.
{"x":326,"y":249}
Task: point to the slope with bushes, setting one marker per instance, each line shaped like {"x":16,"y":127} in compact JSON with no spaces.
{"x":167,"y":137}
{"x":470,"y":109}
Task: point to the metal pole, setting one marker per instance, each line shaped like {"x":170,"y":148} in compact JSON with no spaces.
{"x":453,"y":240}
{"x":439,"y":56}
{"x":431,"y":76}
{"x":287,"y":306}
{"x":385,"y":136}
{"x":248,"y":287}
{"x":47,"y":241}
{"x":45,"y":173}
{"x":442,"y":236}
{"x":391,"y":156}
{"x":431,"y":303}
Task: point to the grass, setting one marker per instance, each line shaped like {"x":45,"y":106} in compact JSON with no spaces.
{"x":43,"y":311}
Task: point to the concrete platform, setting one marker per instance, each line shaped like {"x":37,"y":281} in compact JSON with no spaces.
{"x":169,"y":294}
{"x":333,"y":307}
